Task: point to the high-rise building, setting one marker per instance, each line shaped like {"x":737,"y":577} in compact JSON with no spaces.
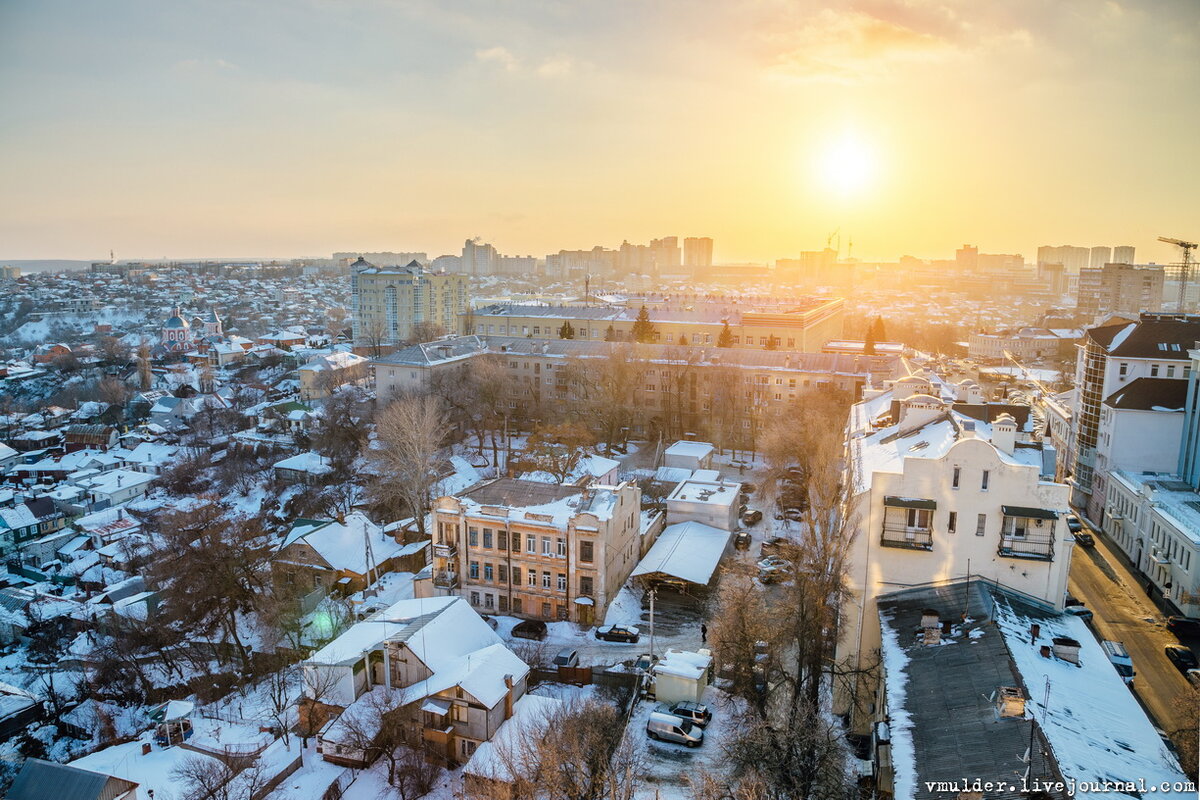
{"x":967,"y":257}
{"x":1100,"y":257}
{"x":390,"y":301}
{"x":1073,"y":258}
{"x":597,"y":262}
{"x":479,"y":258}
{"x":1123,"y":254}
{"x":1118,"y":288}
{"x":666,"y":254}
{"x":698,"y":252}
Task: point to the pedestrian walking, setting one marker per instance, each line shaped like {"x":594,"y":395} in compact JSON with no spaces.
{"x":703,"y":633}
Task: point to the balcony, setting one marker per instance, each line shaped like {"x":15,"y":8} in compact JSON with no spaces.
{"x":445,"y":580}
{"x":445,"y":550}
{"x":898,"y":534}
{"x":1159,"y":557}
{"x":1027,"y":533}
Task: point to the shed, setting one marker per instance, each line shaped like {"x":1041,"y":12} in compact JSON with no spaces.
{"x":681,"y":675}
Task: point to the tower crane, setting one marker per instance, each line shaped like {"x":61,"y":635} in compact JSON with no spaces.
{"x":1185,"y":269}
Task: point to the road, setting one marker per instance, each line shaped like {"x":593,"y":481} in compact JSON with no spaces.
{"x":1123,"y":613}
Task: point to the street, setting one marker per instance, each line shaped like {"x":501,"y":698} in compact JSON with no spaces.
{"x":1124,"y":613}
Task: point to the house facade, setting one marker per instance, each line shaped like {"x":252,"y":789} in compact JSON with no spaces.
{"x":536,"y":550}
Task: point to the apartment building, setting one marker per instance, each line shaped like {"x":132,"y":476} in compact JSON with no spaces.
{"x":721,"y":394}
{"x":805,"y":324}
{"x":1023,"y":344}
{"x":389,"y":301}
{"x":1120,"y":289}
{"x":1111,"y":358}
{"x":535,"y":550}
{"x":946,"y":490}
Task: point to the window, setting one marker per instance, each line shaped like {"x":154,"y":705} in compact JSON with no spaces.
{"x":531,"y":543}
{"x":503,"y":604}
{"x":546,"y":610}
{"x":1154,"y":370}
{"x":473,"y":570}
{"x":957,"y":475}
{"x":474,"y":598}
{"x":532,"y":578}
{"x":502,"y":573}
{"x":516,"y":576}
{"x":585,"y":586}
{"x":489,"y":600}
{"x":516,"y":605}
{"x":516,"y":542}
{"x":562,"y":582}
{"x":473,"y":536}
{"x":952,"y":527}
{"x":488,"y":572}
{"x":1123,"y":370}
{"x":501,"y":540}
{"x":546,"y":546}
{"x":487,"y":539}
{"x":316,"y":581}
{"x":1170,"y":370}
{"x":919,"y":517}
{"x":545,"y":580}
{"x":984,"y":483}
{"x":980,"y":524}
{"x":586,"y":554}
{"x":562,"y":547}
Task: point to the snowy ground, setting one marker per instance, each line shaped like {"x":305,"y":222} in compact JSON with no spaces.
{"x":667,"y":765}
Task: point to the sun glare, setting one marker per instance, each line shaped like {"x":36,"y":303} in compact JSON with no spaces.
{"x":847,"y":166}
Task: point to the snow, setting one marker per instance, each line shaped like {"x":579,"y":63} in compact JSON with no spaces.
{"x":904,"y":758}
{"x":689,"y":551}
{"x":342,"y":544}
{"x":463,"y":477}
{"x":310,"y":463}
{"x":695,"y":450}
{"x":1093,"y":724}
{"x":683,"y":664}
{"x":1121,"y":336}
{"x":152,"y":771}
{"x":531,"y":715}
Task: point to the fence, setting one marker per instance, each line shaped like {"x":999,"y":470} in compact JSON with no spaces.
{"x":340,"y":784}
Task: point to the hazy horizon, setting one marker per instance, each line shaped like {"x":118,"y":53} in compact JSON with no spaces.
{"x":162,"y":130}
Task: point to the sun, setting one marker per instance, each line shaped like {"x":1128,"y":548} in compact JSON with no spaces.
{"x":847,"y":166}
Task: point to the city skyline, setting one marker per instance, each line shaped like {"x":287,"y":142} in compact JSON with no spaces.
{"x":911,"y":127}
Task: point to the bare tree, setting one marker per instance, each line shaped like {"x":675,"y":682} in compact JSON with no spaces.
{"x":411,"y":431}
{"x":555,"y":449}
{"x":425,"y":331}
{"x":376,"y":727}
{"x":373,"y":332}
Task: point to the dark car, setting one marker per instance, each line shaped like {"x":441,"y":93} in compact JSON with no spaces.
{"x":748,"y":488}
{"x":1183,"y":658}
{"x":1085,"y":540}
{"x":1079,"y":610}
{"x":618,"y":633}
{"x":1183,"y":626}
{"x":752,"y":517}
{"x":530,"y":629}
{"x":742,"y":541}
{"x":1074,"y":524}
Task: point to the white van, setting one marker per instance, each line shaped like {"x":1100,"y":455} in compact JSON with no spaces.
{"x":670,"y":728}
{"x":1120,"y":659}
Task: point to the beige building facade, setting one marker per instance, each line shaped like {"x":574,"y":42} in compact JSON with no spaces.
{"x":389,"y":301}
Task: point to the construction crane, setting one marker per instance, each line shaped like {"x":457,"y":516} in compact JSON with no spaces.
{"x":1185,"y":269}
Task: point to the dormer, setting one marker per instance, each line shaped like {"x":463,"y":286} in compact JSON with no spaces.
{"x":1004,"y":433}
{"x":919,"y":410}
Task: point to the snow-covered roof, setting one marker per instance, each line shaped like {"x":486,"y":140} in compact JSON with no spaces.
{"x":343,"y":544}
{"x":690,"y":449}
{"x":715,"y":493}
{"x":509,"y":745}
{"x":689,"y":551}
{"x":311,"y":463}
{"x":684,"y":664}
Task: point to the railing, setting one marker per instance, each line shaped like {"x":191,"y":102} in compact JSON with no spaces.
{"x":444,"y":550}
{"x":1037,"y":548}
{"x":446,"y":580}
{"x":899,"y":535}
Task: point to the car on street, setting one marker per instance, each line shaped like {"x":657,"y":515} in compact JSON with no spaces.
{"x":618,"y":633}
{"x":773,"y":569}
{"x":1183,"y":626}
{"x":1084,"y":540}
{"x":1074,"y":524}
{"x":695,"y":713}
{"x":1183,"y":658}
{"x":742,"y":540}
{"x":530,"y":629}
{"x":748,"y":488}
{"x":567,"y":657}
{"x":752,"y":517}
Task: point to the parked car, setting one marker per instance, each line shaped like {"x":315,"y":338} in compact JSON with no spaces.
{"x":695,"y":713}
{"x":1193,"y":676}
{"x":1081,"y":611}
{"x":670,"y":728}
{"x":1084,"y":540}
{"x":530,"y":629}
{"x":773,"y":569}
{"x":1183,"y":658}
{"x":618,"y":633}
{"x":742,"y":540}
{"x":771,"y":546}
{"x":567,"y":657}
{"x":752,"y":517}
{"x":1074,"y":523}
{"x":748,"y":488}
{"x":1183,"y":626}
{"x":490,"y":621}
{"x":1119,"y":657}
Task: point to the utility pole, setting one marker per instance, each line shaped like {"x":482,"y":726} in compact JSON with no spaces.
{"x":653,"y":593}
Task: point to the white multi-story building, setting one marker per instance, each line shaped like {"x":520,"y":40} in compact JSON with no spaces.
{"x":945,"y":491}
{"x":390,"y":301}
{"x":536,"y":550}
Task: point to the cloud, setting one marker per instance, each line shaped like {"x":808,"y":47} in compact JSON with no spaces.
{"x":852,"y":46}
{"x":499,"y":56}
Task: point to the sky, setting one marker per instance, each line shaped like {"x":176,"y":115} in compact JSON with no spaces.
{"x":259,"y":128}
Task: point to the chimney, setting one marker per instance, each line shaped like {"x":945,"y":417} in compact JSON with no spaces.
{"x":930,"y":618}
{"x":1034,"y":631}
{"x":1045,"y":651}
{"x":1004,"y":433}
{"x":508,"y":697}
{"x":1066,"y":649}
{"x":1010,"y":702}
